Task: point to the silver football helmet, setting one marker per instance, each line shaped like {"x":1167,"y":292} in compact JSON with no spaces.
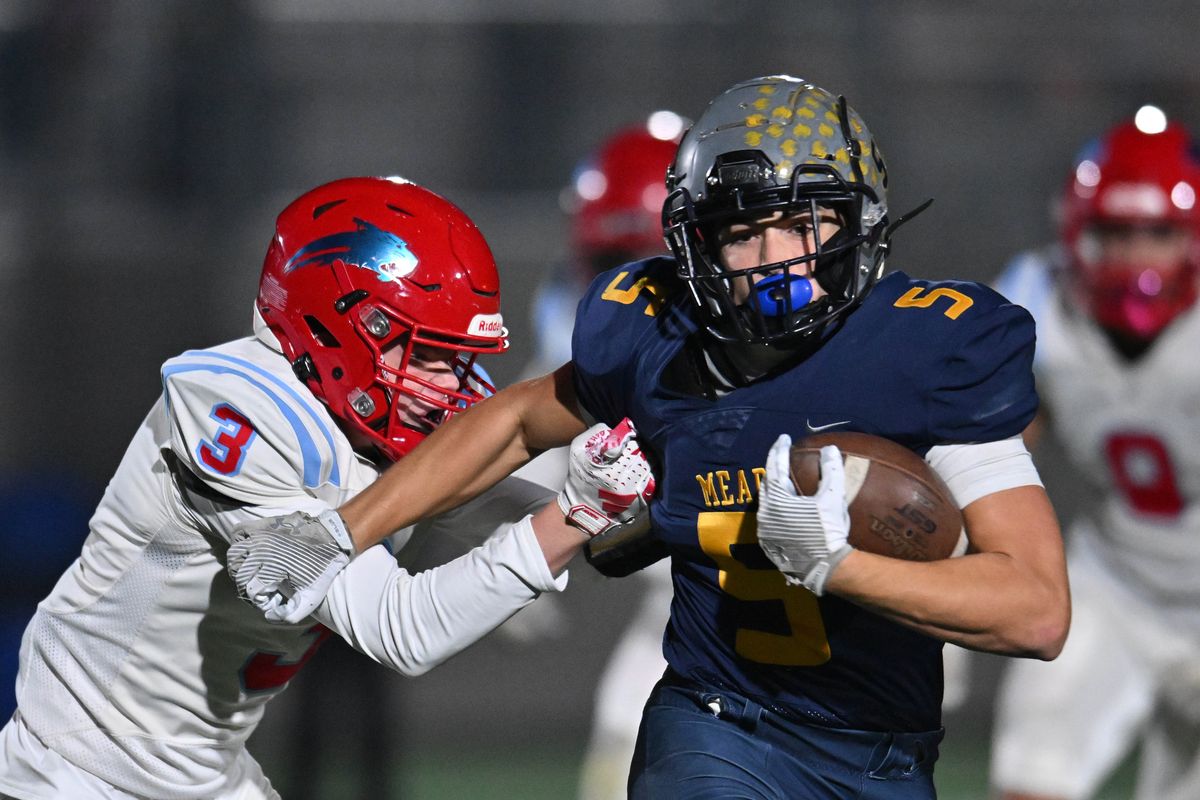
{"x":778,"y":144}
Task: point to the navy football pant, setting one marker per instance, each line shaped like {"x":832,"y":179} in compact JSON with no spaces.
{"x":699,"y":744}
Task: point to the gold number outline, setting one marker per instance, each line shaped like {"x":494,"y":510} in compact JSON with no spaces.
{"x":806,"y":643}
{"x":627,"y":296}
{"x":917,"y":297}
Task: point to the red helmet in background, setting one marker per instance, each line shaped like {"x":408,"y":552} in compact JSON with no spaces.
{"x":1142,"y":178}
{"x":363,"y":266}
{"x":617,"y":194}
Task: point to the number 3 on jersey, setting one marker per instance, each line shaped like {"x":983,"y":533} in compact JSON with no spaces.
{"x":227,"y":450}
{"x":777,"y":623}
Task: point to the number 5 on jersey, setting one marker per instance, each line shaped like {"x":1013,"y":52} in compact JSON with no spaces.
{"x":642,"y":287}
{"x":777,"y":623}
{"x":225,"y":453}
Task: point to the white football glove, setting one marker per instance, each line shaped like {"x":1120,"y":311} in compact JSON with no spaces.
{"x":284,"y":565}
{"x":608,"y":479}
{"x":805,"y":537}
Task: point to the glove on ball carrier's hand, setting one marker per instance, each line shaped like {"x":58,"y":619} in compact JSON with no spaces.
{"x":285,"y":565}
{"x":804,"y":536}
{"x":609,"y":482}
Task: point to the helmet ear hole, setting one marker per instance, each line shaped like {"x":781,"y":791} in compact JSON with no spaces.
{"x":320,"y":332}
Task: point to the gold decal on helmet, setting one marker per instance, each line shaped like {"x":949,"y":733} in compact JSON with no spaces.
{"x":754,"y":120}
{"x":788,"y":146}
{"x":775,"y":130}
{"x":802,"y":130}
{"x":782,"y":113}
{"x":761,"y":103}
{"x":818,"y":149}
{"x":807,"y":113}
{"x":768,"y":89}
{"x":825,"y":130}
{"x":753,"y":138}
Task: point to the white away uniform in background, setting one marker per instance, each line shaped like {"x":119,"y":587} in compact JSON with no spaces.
{"x":1133,"y":654}
{"x":143,"y":674}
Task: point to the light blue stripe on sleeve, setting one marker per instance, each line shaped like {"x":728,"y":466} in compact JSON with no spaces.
{"x":310,"y":452}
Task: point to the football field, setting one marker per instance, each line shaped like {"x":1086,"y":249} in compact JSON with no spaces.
{"x":544,"y":773}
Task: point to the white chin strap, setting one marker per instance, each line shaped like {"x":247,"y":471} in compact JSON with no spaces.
{"x":263,"y":333}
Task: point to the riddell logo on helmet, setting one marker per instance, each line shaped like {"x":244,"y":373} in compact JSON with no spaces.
{"x":739,"y":175}
{"x":1134,"y":200}
{"x":486,"y":325}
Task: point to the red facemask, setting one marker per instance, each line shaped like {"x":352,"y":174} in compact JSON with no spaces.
{"x":1137,"y":302}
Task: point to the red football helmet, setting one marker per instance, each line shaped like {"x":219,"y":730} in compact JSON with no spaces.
{"x":361,"y":267}
{"x":617,"y":194}
{"x":1138,"y":180}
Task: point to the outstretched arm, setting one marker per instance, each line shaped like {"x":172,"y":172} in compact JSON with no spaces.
{"x":286,"y":565}
{"x":411,"y":623}
{"x":1008,"y":595}
{"x":468,"y":454}
{"x":414,"y":622}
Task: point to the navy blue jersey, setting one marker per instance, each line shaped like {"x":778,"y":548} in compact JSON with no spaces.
{"x":919,"y":362}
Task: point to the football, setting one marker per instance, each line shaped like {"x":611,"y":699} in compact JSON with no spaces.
{"x":899,"y":506}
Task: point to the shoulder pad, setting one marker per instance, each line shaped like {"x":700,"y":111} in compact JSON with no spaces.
{"x":245,"y":430}
{"x":970,"y":348}
{"x":619,"y":311}
{"x":946,"y":302}
{"x":632,"y":293}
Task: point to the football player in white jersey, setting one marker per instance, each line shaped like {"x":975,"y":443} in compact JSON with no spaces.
{"x":143,"y":673}
{"x":1117,"y":327}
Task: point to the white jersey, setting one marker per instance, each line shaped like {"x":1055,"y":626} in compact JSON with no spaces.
{"x":143,"y":668}
{"x":1130,"y":427}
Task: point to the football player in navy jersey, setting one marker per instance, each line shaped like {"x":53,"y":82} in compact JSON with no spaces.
{"x":798,"y":666}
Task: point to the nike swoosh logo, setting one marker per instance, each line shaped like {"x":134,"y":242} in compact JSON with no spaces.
{"x":818,"y":428}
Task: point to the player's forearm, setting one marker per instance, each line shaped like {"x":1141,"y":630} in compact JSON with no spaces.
{"x":982,"y":601}
{"x":465,"y":456}
{"x":1009,"y":596}
{"x":559,"y":540}
{"x":411,"y":623}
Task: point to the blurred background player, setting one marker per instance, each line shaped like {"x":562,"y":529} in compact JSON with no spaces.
{"x":1117,"y":367}
{"x":614,"y":204}
{"x":143,"y":673}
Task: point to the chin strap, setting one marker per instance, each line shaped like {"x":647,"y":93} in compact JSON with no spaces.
{"x":886,"y":244}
